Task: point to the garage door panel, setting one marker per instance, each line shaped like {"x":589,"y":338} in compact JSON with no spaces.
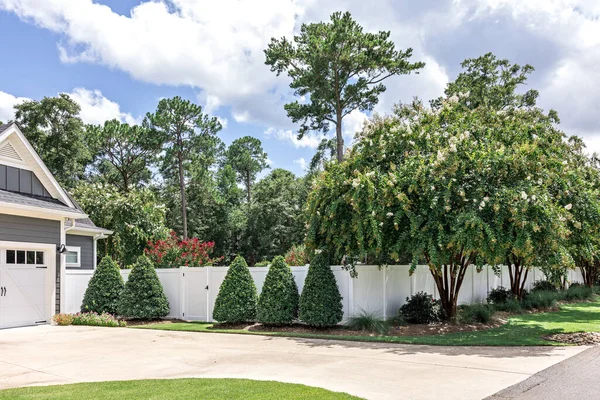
{"x":25,"y":290}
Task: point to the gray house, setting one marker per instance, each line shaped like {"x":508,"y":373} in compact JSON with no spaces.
{"x":43,"y":232}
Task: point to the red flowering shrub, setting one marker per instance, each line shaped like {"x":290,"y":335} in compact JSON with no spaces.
{"x":173,"y":252}
{"x":297,"y":256}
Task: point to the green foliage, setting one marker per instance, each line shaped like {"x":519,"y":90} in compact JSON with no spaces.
{"x":499,"y":295}
{"x":512,"y":306}
{"x":578,"y":292}
{"x":492,"y":82}
{"x":475,"y":313}
{"x":123,"y":153}
{"x":421,"y":308}
{"x":321,"y":302}
{"x":247,"y":157}
{"x":278,"y":301}
{"x":237,"y":299}
{"x":104,"y":288}
{"x":135,"y":218}
{"x":540,"y":300}
{"x":544,"y":285}
{"x":276,"y":220}
{"x":95,"y":319}
{"x":54,"y":128}
{"x":368,"y":322}
{"x":189,"y":143}
{"x":339,"y":68}
{"x":143,"y":296}
{"x":264,"y":263}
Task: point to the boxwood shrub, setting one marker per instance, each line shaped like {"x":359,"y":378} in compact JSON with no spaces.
{"x":421,"y":308}
{"x":143,"y":296}
{"x":104,"y":289}
{"x":278,"y":301}
{"x":321,"y":302}
{"x":236,"y":300}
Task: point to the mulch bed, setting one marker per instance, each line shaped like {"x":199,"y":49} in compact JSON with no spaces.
{"x":408,"y":330}
{"x":576,"y":338}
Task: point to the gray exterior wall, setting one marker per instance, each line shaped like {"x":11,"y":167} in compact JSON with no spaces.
{"x":14,"y":228}
{"x":87,"y":250}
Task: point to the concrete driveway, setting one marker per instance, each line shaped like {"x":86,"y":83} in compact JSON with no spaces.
{"x":47,"y":355}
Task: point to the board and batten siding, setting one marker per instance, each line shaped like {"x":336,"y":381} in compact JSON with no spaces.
{"x":86,"y":243}
{"x":22,"y":181}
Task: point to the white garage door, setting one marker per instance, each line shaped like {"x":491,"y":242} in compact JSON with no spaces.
{"x":24,"y":287}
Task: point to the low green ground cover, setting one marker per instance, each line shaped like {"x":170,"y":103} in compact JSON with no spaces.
{"x":175,"y":389}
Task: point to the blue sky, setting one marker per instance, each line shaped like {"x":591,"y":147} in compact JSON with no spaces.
{"x":119,"y":57}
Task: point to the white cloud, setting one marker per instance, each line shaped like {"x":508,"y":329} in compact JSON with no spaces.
{"x":353,"y":123}
{"x":95,"y":108}
{"x":301,"y":162}
{"x":7,"y":103}
{"x":309,"y":140}
{"x":223,"y":121}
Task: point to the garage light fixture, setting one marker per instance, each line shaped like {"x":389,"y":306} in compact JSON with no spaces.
{"x":61,"y":249}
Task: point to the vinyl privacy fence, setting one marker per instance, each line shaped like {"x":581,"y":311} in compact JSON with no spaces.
{"x":379,"y":290}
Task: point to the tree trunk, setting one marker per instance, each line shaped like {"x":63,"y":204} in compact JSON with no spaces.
{"x":248,"y":194}
{"x":589,"y":272}
{"x":518,"y":277}
{"x":339,"y":138}
{"x":183,"y":202}
{"x":448,"y":280}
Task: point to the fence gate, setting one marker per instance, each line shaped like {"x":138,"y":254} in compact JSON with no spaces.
{"x":195,"y":294}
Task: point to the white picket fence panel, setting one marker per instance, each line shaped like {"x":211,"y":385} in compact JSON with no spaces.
{"x":380,"y":290}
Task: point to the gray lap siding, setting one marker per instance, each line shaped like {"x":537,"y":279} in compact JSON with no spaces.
{"x":86,"y":243}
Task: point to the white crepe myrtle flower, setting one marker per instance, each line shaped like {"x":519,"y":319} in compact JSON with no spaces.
{"x":390,"y":214}
{"x":448,"y":208}
{"x":568,"y":206}
{"x":318,"y":251}
{"x":486,"y":199}
{"x":524,"y":195}
{"x":453,"y":99}
{"x":482,"y":204}
{"x":577,"y":224}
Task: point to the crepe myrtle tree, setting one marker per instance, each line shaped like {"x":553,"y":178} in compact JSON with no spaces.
{"x":444,"y":184}
{"x":580,"y":195}
{"x":339,"y":68}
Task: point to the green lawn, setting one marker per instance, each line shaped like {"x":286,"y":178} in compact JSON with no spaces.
{"x":172,"y":389}
{"x":521,"y":330}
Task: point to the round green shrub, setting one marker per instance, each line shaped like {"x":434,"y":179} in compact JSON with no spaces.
{"x":421,"y":308}
{"x":278,"y":301}
{"x":320,"y":302}
{"x":143,"y":296}
{"x":545,"y":286}
{"x":500,"y":295}
{"x":236,"y":300}
{"x":104,"y":289}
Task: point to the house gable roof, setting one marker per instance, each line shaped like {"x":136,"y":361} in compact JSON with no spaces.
{"x":11,"y":135}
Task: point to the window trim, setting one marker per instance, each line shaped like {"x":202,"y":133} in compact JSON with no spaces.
{"x":74,"y":249}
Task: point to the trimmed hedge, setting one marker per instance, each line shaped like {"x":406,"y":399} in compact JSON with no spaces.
{"x":278,"y":301}
{"x":143,"y":296}
{"x":236,"y":300}
{"x":321,"y":302}
{"x":104,"y":289}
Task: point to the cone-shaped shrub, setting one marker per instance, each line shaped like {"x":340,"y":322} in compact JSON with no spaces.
{"x":320,"y":302}
{"x":278,"y":301}
{"x":143,"y":296}
{"x":104,"y":289}
{"x":236,"y":301}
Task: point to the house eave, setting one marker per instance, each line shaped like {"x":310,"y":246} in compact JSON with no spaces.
{"x":38,"y":212}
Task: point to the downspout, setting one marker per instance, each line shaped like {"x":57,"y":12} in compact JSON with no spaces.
{"x":96,"y":238}
{"x":74,"y":222}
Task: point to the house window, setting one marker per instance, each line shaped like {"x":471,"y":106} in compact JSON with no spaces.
{"x":73,"y":256}
{"x":24,"y":257}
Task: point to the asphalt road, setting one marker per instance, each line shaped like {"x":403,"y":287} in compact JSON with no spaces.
{"x":576,"y":378}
